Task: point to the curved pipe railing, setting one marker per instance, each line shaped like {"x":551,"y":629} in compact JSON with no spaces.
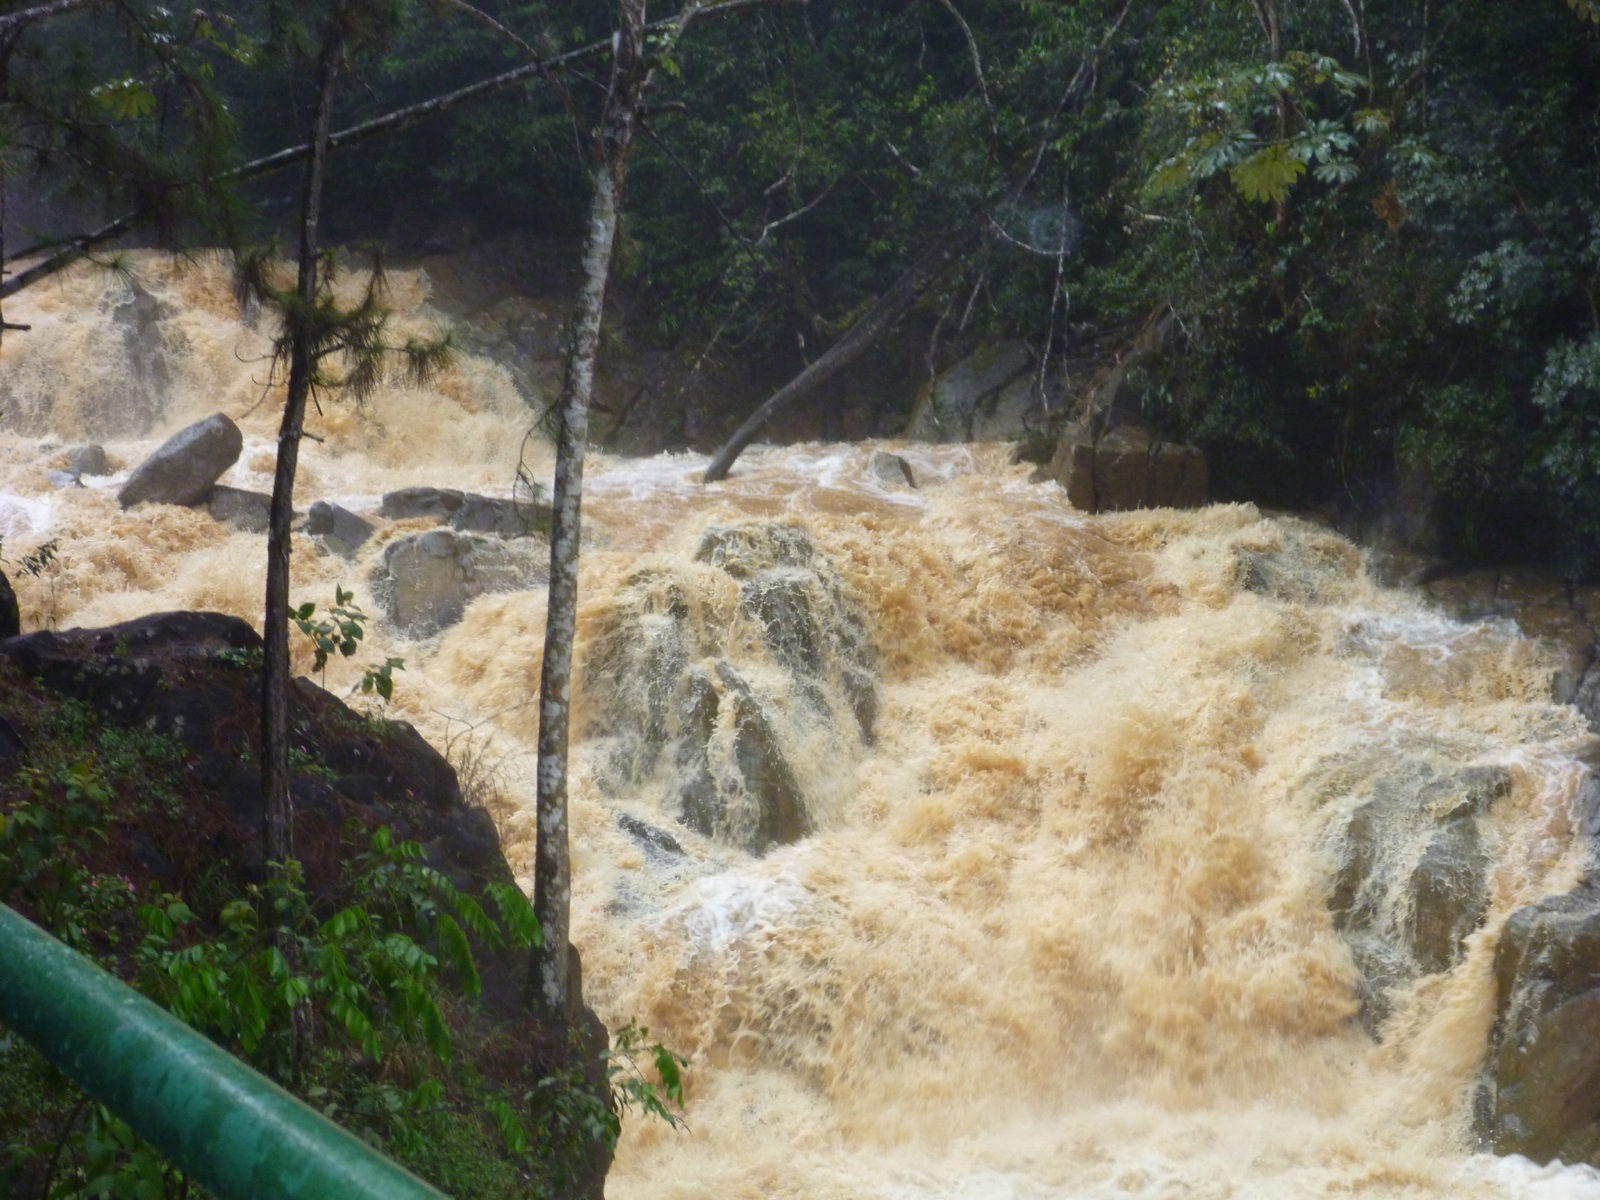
{"x":232,"y":1130}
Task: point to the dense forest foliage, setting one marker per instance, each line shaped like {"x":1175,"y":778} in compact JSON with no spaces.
{"x":1369,"y":231}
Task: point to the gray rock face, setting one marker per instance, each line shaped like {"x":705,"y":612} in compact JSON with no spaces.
{"x":1128,"y":468}
{"x":184,"y":467}
{"x":718,"y":709}
{"x":426,"y":581}
{"x":1411,"y":884}
{"x":240,"y":508}
{"x":340,"y":529}
{"x":892,"y":471}
{"x":988,"y":396}
{"x":471,"y":513}
{"x":1540,"y":1093}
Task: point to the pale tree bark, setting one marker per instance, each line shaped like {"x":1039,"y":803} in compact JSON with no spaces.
{"x":300,"y":320}
{"x":554,"y":980}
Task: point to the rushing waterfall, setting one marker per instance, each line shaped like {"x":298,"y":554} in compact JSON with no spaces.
{"x":971,"y":847}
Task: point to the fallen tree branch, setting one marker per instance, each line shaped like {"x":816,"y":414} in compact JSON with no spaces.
{"x":861,"y":336}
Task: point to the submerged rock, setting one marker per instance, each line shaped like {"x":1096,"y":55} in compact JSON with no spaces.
{"x":720,"y":706}
{"x":1540,"y":1094}
{"x":340,"y":529}
{"x":892,"y":470}
{"x":242,"y":509}
{"x":426,"y":581}
{"x":184,"y":467}
{"x":529,"y":513}
{"x":1411,"y":882}
{"x":88,"y":460}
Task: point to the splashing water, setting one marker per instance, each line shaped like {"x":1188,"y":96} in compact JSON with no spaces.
{"x":1059,"y":925}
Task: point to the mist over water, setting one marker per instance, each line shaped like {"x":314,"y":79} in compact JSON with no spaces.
{"x":1061,"y":927}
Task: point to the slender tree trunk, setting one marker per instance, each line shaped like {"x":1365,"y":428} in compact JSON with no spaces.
{"x":552,"y":888}
{"x":857,"y":340}
{"x":300,"y":319}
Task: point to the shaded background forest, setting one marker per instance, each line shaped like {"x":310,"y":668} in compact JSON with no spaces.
{"x":1364,"y":235}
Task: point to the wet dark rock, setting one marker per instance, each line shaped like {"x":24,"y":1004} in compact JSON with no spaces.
{"x":1542,"y":1080}
{"x":658,"y":843}
{"x":120,"y":668}
{"x":88,"y":460}
{"x":426,"y":581}
{"x":184,"y":467}
{"x":194,"y":678}
{"x":1416,"y":838}
{"x":1540,"y":1090}
{"x":680,"y":686}
{"x":529,"y":513}
{"x":10,"y":612}
{"x":405,"y":503}
{"x":1036,"y":446}
{"x":240,"y":508}
{"x":892,"y":470}
{"x":340,"y":529}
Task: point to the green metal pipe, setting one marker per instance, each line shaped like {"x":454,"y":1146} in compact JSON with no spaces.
{"x":232,"y":1130}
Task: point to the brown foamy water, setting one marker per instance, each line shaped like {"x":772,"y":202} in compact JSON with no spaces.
{"x":1061,"y":930}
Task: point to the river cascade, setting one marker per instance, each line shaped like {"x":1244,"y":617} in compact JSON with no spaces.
{"x":971,"y":847}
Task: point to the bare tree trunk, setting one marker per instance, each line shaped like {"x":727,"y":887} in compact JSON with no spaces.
{"x":299,"y":317}
{"x":860,"y":337}
{"x":552,"y":888}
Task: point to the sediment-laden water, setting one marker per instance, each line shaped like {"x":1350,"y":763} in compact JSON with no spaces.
{"x":971,"y":847}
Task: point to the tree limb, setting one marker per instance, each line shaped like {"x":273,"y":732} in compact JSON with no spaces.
{"x":390,"y":122}
{"x":862,"y":334}
{"x":40,"y":12}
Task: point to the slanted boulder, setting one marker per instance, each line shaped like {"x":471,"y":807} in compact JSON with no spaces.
{"x":184,"y":468}
{"x":340,"y":529}
{"x":240,"y":508}
{"x":426,"y":581}
{"x":892,"y":470}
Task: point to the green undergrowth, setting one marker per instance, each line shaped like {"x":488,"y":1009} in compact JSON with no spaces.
{"x":368,"y":1010}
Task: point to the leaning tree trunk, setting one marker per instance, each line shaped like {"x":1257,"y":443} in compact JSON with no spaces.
{"x":299,"y":318}
{"x":860,"y":337}
{"x":552,"y":884}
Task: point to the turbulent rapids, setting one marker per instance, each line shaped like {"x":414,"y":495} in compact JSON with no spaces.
{"x":970,"y":846}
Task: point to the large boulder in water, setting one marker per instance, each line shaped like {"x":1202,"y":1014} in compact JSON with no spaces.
{"x":726,"y":682}
{"x":186,"y":466}
{"x":1412,"y":877}
{"x":426,"y":581}
{"x":1541,"y":1085}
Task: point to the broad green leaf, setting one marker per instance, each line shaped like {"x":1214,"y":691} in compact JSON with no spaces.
{"x":1267,"y":175}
